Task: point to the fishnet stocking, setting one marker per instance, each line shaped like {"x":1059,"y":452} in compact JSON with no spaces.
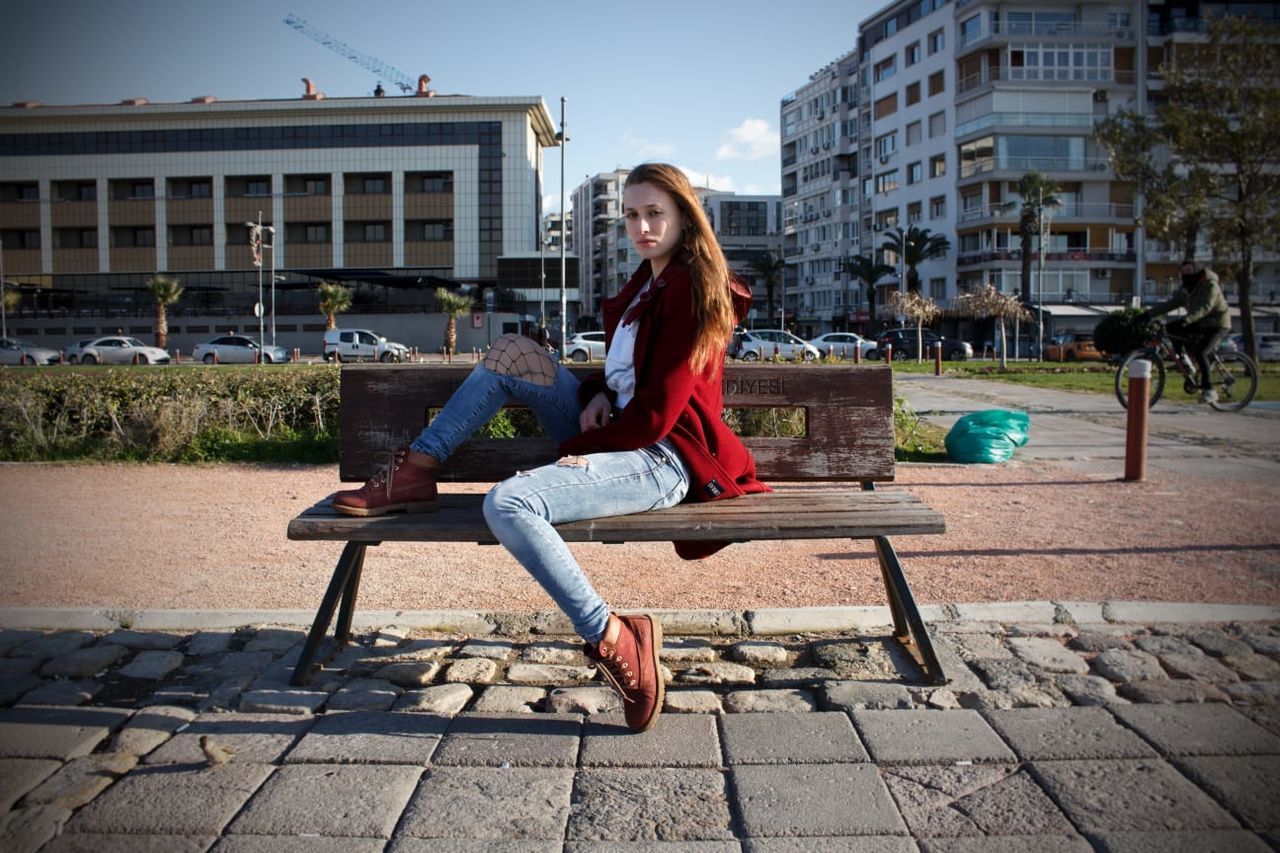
{"x":521,"y":357}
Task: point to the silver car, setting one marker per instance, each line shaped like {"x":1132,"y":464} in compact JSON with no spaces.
{"x":843,"y":344}
{"x":237,"y":349}
{"x":115,"y":349}
{"x":586,"y":346}
{"x":763,"y":343}
{"x":14,"y":351}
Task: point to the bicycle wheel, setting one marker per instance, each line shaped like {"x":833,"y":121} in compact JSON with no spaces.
{"x":1156,"y":387}
{"x":1235,"y":378}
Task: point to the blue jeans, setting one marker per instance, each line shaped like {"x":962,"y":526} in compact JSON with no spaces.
{"x":522,"y":510}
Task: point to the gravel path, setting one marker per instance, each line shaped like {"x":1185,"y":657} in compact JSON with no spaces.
{"x":161,"y":536}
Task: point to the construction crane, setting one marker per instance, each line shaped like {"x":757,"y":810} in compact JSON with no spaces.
{"x":364,"y":60}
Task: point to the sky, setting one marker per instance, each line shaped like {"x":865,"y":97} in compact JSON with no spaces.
{"x":695,"y":83}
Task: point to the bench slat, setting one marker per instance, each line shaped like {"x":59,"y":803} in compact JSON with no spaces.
{"x":833,"y":514}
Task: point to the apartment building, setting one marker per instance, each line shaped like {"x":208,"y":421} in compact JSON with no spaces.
{"x":748,"y":228}
{"x":393,"y":195}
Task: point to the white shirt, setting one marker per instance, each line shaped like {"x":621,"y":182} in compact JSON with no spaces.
{"x":620,"y":360}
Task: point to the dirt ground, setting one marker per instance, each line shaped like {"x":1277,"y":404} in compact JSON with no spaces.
{"x":162,"y":536}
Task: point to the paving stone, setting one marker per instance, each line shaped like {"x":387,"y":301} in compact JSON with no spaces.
{"x":1048,"y":654}
{"x":1167,"y":690}
{"x":986,"y":700}
{"x":583,"y":700}
{"x":275,"y":640}
{"x":960,"y":677}
{"x":1089,"y":690}
{"x":943,"y":699}
{"x":1007,"y":844}
{"x":1060,"y":630}
{"x":149,"y":728}
{"x":443,"y":699}
{"x":1209,"y":729}
{"x":172,"y":800}
{"x":973,"y":800}
{"x":62,"y":693}
{"x":1266,"y":644}
{"x":329,"y":800}
{"x":687,"y":650}
{"x":60,"y":733}
{"x":1205,"y":841}
{"x":718,"y":672}
{"x":860,"y":695}
{"x":1128,"y":665}
{"x":471,"y":671}
{"x":458,"y":845}
{"x":365,"y":737}
{"x":680,"y":740}
{"x":13,"y":667}
{"x":1141,"y":795}
{"x":1038,"y":734}
{"x":759,"y":653}
{"x":220,"y":668}
{"x":665,"y":847}
{"x":1267,"y":717}
{"x":1097,"y":641}
{"x":11,"y":638}
{"x":19,"y":775}
{"x":80,"y":780}
{"x":425,"y":649}
{"x":14,"y":687}
{"x":1199,"y":667}
{"x":991,"y":646}
{"x":1165,"y":645}
{"x":224,"y":695}
{"x":295,"y":701}
{"x":364,"y":700}
{"x":929,"y":737}
{"x":409,"y":674}
{"x":1255,"y":692}
{"x":769,"y":701}
{"x":805,"y":676}
{"x":509,"y":699}
{"x":489,"y":803}
{"x":29,"y":828}
{"x":84,"y":842}
{"x":1042,"y":696}
{"x":256,"y":738}
{"x":845,"y":844}
{"x":1248,"y":785}
{"x":516,"y":740}
{"x":535,"y":673}
{"x":1252,"y":666}
{"x":692,"y":702}
{"x":1004,"y":674}
{"x":209,"y":642}
{"x":52,"y":645}
{"x":618,"y":805}
{"x":84,"y":663}
{"x":144,"y":640}
{"x":557,"y":652}
{"x":496,"y":650}
{"x":815,"y":799}
{"x":152,"y":665}
{"x":1219,"y":644}
{"x":806,"y":738}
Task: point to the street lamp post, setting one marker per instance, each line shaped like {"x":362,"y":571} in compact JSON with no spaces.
{"x":4,"y":311}
{"x":272,"y":247}
{"x":1043,"y":220}
{"x":563,"y":137}
{"x":255,"y":244}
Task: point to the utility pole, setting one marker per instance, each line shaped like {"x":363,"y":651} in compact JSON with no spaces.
{"x":563,"y":136}
{"x":255,"y":244}
{"x":4,"y":311}
{"x":1043,"y":224}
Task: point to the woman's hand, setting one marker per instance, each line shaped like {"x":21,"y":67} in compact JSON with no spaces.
{"x":596,"y":414}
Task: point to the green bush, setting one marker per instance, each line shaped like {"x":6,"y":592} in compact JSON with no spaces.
{"x":1122,"y":331}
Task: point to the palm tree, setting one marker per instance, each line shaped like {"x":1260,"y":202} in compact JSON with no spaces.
{"x":867,"y":270}
{"x":1037,"y":192}
{"x":166,"y":290}
{"x":770,"y":269}
{"x":986,"y":301}
{"x":12,"y":299}
{"x":454,"y":305}
{"x":334,"y":299}
{"x":915,"y":246}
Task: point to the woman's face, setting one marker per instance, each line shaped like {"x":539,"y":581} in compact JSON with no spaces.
{"x":653,"y":221}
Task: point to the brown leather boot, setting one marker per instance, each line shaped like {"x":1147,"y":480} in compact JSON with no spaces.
{"x":631,"y":667}
{"x":400,"y":486}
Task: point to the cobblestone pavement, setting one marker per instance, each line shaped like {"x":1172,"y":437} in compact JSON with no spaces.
{"x":1067,"y":726}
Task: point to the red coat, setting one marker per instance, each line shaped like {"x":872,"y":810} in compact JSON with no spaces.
{"x":670,"y":400}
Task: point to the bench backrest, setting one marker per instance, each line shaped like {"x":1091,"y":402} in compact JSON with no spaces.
{"x":848,"y":417}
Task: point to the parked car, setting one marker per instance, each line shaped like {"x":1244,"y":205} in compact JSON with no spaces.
{"x":115,"y":349}
{"x":14,"y":351}
{"x":237,"y":349}
{"x":585,"y":346}
{"x":73,"y":350}
{"x":904,"y":344}
{"x":1232,"y":343}
{"x":1268,"y":347}
{"x":1024,"y":347}
{"x":751,"y":344}
{"x":842,"y":343}
{"x":361,"y":345}
{"x":1072,"y":346}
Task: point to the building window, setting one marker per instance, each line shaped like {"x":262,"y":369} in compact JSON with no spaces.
{"x":970,"y":30}
{"x":316,"y":186}
{"x":937,"y":83}
{"x":376,"y":185}
{"x":142,"y":189}
{"x":29,"y":192}
{"x":437,"y":182}
{"x":87,"y":238}
{"x":937,"y":124}
{"x":144,"y":237}
{"x":913,"y":94}
{"x":257,"y":187}
{"x":15,"y":238}
{"x":937,"y":289}
{"x":912,"y":53}
{"x":937,"y":41}
{"x":885,"y":69}
{"x":915,"y":172}
{"x":887,"y":144}
{"x":87,"y":192}
{"x":938,"y":207}
{"x":430,"y":231}
{"x":887,"y":181}
{"x":914,"y":133}
{"x":937,"y":166}
{"x":317,"y":232}
{"x":914,"y":213}
{"x":886,"y":106}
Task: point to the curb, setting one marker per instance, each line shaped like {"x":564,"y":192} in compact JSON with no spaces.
{"x":761,"y":622}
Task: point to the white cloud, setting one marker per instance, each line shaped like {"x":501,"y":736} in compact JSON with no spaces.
{"x":754,"y":139}
{"x":723,"y":183}
{"x":551,"y":203}
{"x":646,"y":149}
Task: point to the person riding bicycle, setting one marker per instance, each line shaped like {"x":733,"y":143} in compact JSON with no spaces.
{"x":1207,"y":321}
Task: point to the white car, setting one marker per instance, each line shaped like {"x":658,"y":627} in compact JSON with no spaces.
{"x":842,"y":344}
{"x":120,"y":350}
{"x":237,"y":349}
{"x":1268,"y":347}
{"x":14,"y":351}
{"x":72,"y":351}
{"x":585,"y":346}
{"x":361,"y":345}
{"x":754,"y":344}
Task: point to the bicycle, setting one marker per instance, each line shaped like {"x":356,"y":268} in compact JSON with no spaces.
{"x":1235,"y":376}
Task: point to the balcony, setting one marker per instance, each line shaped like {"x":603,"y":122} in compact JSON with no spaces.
{"x":1026,"y":120}
{"x":1048,"y":29}
{"x":1044,"y":75}
{"x":1019,"y":166}
{"x":989,"y":256}
{"x":1086,"y":211}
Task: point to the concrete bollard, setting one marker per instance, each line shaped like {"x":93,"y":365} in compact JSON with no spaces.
{"x":62,"y":356}
{"x":1135,"y":439}
{"x":857,"y":354}
{"x":937,"y":359}
{"x":831,"y":352}
{"x":297,"y":355}
{"x":888,"y":354}
{"x":777,"y":351}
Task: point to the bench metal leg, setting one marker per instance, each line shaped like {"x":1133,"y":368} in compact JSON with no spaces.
{"x":342,"y":631}
{"x":340,"y":585}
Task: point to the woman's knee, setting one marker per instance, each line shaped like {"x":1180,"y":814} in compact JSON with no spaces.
{"x":522,"y":358}
{"x":502,"y":501}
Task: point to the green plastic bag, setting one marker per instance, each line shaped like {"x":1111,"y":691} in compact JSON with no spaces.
{"x":988,"y":436}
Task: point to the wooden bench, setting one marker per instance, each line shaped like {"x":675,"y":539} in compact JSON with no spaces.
{"x":849,"y":438}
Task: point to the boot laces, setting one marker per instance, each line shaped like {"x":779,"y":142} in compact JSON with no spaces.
{"x":389,"y":462}
{"x":615,"y":669}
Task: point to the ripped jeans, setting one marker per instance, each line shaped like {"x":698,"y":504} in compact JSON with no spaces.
{"x":522,"y":510}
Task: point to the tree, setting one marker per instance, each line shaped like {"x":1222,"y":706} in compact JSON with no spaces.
{"x":334,"y":299}
{"x":987,"y":301}
{"x":919,"y":309}
{"x":770,"y":270}
{"x":12,"y":300}
{"x":868,"y":271}
{"x":1036,"y":192}
{"x":165,"y":290}
{"x":452,"y":304}
{"x":913,"y":247}
{"x":1211,"y":152}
